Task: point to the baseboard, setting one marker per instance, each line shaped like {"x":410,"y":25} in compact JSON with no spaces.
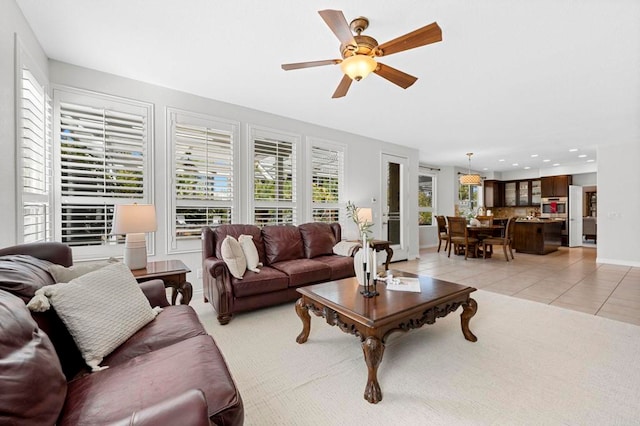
{"x":618,"y":262}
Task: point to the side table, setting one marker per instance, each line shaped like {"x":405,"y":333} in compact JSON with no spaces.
{"x":174,"y":275}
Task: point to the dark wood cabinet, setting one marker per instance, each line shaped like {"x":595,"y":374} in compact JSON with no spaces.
{"x":537,"y":237}
{"x":556,"y":186}
{"x":521,"y":193}
{"x":493,"y":194}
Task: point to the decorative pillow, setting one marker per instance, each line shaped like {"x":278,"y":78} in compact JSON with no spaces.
{"x":22,"y":275}
{"x":101,"y":310}
{"x":233,"y":256}
{"x":62,"y":274}
{"x":250,"y":252}
{"x":33,"y":384}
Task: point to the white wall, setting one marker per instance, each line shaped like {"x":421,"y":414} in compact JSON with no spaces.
{"x":619,"y":202}
{"x":12,"y":23}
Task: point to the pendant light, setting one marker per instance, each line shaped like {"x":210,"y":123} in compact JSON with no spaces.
{"x":470,"y":179}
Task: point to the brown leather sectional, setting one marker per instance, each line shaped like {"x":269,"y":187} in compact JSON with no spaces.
{"x":169,"y":372}
{"x":292,"y":256}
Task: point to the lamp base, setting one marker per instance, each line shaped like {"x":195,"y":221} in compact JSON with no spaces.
{"x":135,"y":251}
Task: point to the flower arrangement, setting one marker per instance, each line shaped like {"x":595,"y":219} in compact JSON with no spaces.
{"x":355,"y":213}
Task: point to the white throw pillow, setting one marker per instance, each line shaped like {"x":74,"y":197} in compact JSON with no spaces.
{"x":63,"y":274}
{"x":233,"y":256}
{"x":101,"y":309}
{"x":250,"y":252}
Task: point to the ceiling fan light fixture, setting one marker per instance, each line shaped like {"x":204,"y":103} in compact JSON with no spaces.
{"x":358,"y":67}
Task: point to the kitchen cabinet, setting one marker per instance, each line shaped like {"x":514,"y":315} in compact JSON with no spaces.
{"x":522,"y":193}
{"x":556,"y":186}
{"x":510,"y":195}
{"x":493,"y":194}
{"x":537,"y":236}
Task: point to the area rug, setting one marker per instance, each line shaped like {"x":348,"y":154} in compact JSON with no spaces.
{"x":533,"y":364}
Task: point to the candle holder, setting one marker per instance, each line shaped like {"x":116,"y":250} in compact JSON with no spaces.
{"x":369,"y":289}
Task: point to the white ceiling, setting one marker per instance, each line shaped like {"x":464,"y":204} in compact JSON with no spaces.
{"x":511,"y":78}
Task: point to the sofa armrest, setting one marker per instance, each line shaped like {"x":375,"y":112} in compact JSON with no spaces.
{"x":186,"y":409}
{"x":155,"y":292}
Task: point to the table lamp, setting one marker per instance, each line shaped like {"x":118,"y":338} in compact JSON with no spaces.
{"x":134,"y":220}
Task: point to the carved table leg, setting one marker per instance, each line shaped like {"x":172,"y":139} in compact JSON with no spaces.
{"x":185,"y":289}
{"x":469,"y":310}
{"x":303,"y":313}
{"x":373,"y":349}
{"x":389,"y":251}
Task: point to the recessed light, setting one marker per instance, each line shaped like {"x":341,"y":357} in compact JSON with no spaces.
{"x":582,"y":155}
{"x":556,"y":164}
{"x":573,"y":149}
{"x":502,"y":159}
{"x":514,"y":164}
{"x":486,"y":168}
{"x":527,"y":168}
{"x":590,"y":160}
{"x":534,"y":155}
{"x":545,"y":161}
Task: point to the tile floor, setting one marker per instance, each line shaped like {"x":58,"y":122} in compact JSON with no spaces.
{"x":569,"y":278}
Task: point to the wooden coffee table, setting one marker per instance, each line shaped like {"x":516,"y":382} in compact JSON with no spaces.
{"x":374,"y":319}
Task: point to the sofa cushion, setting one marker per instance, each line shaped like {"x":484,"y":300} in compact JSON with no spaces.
{"x":22,"y":275}
{"x":33,"y":385}
{"x":318,"y":239}
{"x":250,"y":252}
{"x":173,"y":324}
{"x":282,"y":242}
{"x":62,"y":274}
{"x":164,"y":373}
{"x":304,"y":271}
{"x":268,"y":280}
{"x":235,"y":231}
{"x":100,"y":309}
{"x":233,"y":256}
{"x":341,"y":266}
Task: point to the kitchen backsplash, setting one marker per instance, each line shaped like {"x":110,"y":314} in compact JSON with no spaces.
{"x":515,"y":211}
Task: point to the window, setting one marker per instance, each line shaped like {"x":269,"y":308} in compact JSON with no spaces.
{"x":274,"y":178}
{"x":34,"y":157}
{"x":327,"y":175}
{"x":203,"y":178}
{"x":468,"y":196}
{"x":425,"y":199}
{"x":103,"y":151}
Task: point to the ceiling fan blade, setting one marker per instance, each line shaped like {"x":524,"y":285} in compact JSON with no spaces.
{"x":296,"y":66}
{"x":338,"y":23}
{"x":420,"y":37}
{"x":395,"y":76}
{"x":343,"y":87}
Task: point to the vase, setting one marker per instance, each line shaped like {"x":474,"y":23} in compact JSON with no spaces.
{"x":358,"y":260}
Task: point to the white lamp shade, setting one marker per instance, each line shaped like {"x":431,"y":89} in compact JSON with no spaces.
{"x":358,"y":67}
{"x":134,"y":218}
{"x":365,"y":215}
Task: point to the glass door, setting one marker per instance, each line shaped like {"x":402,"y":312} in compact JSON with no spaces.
{"x":394,"y":212}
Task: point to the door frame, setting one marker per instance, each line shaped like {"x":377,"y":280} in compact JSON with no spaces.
{"x":400,"y":251}
{"x":574,"y":219}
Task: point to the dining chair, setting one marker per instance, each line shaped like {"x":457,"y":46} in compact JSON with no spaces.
{"x":443,"y":234}
{"x":459,"y":236}
{"x":505,"y":241}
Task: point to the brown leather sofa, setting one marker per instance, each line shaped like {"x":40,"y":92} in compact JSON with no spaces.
{"x":169,"y":372}
{"x":292,"y":256}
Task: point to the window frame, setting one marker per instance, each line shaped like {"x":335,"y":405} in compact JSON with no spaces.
{"x":257,"y":132}
{"x":341,"y":150}
{"x":66,"y":94}
{"x":433,"y":209}
{"x":211,"y":122}
{"x":24,"y":197}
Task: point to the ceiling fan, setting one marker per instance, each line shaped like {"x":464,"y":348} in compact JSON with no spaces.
{"x":359,"y":51}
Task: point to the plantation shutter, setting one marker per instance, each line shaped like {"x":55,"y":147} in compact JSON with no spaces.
{"x":103,"y":157}
{"x":35,"y":156}
{"x":204,"y":177}
{"x":274,"y":182}
{"x":327,"y":171}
